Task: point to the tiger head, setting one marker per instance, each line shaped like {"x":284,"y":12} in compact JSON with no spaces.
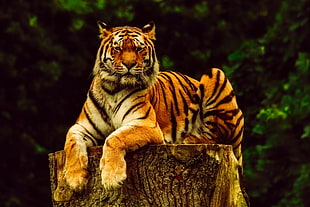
{"x":126,"y":58}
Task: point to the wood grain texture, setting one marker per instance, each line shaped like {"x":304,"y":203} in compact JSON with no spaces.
{"x":159,"y":175}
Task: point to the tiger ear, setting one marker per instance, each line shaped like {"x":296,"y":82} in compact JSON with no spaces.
{"x":149,"y":30}
{"x":103,"y":29}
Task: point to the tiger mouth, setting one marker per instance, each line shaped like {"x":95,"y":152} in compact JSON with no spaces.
{"x":127,"y":76}
{"x":130,"y":75}
{"x":136,"y":71}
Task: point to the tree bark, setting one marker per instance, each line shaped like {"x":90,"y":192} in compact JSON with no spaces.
{"x":161,"y":175}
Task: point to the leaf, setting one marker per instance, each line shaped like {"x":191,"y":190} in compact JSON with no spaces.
{"x":101,"y":4}
{"x":238,"y":55}
{"x":258,"y":129}
{"x":33,"y":21}
{"x":78,"y":24}
{"x":303,"y":62}
{"x":306,"y":133}
{"x":166,"y":62}
{"x":78,"y":6}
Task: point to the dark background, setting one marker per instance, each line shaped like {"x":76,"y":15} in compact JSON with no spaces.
{"x":48,"y":48}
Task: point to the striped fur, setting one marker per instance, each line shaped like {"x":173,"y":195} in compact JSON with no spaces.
{"x":131,"y":104}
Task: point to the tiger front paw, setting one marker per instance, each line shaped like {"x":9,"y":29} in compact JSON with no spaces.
{"x":77,"y":179}
{"x":113,"y":174}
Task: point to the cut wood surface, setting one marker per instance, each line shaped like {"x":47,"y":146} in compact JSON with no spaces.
{"x":159,"y":175}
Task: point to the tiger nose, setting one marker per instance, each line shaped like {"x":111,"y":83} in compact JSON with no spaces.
{"x":129,"y":64}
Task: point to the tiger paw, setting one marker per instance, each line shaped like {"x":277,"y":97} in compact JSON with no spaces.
{"x":113,"y":174}
{"x":77,"y":179}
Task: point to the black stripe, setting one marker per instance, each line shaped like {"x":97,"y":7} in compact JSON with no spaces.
{"x":230,"y":126}
{"x":93,"y":124}
{"x":163,"y":75}
{"x":154,"y":96}
{"x":189,"y":82}
{"x":189,"y":89}
{"x":146,"y":114}
{"x":104,"y":49}
{"x":226,"y":99}
{"x":139,"y":107}
{"x":177,"y":76}
{"x":238,"y":138}
{"x":133,"y":35}
{"x":100,"y":108}
{"x":209,"y":72}
{"x":190,"y":95}
{"x":239,"y":155}
{"x":211,"y":136}
{"x":240,"y":118}
{"x":138,"y":97}
{"x":195,"y":113}
{"x":149,"y":71}
{"x":172,"y":90}
{"x":152,"y":92}
{"x":186,"y":124}
{"x":126,"y":97}
{"x":211,"y":123}
{"x":185,"y":105}
{"x":219,"y":91}
{"x":202,"y":95}
{"x":162,"y":86}
{"x":235,"y":147}
{"x":224,"y":133}
{"x":152,"y":55}
{"x":89,"y":135}
{"x":148,"y":60}
{"x":222,"y":114}
{"x":214,"y":89}
{"x":131,"y":109}
{"x":173,"y":125}
{"x":219,"y":130}
{"x":151,"y":48}
{"x":211,"y":113}
{"x":182,"y":84}
{"x":118,"y":31}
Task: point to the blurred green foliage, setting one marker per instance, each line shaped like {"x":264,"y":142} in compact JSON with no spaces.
{"x":48,"y":49}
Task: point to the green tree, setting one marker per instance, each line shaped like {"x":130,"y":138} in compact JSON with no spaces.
{"x":277,"y":67}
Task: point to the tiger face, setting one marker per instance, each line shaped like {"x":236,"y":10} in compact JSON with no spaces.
{"x":126,"y":58}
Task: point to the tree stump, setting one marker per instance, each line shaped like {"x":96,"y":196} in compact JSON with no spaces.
{"x":160,"y":175}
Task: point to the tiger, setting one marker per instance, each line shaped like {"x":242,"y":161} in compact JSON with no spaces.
{"x":130,"y":104}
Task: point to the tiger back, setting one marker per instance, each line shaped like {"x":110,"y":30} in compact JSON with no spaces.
{"x":131,"y":104}
{"x":191,"y":111}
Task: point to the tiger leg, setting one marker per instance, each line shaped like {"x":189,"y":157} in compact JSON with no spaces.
{"x":75,"y":169}
{"x":129,"y":137}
